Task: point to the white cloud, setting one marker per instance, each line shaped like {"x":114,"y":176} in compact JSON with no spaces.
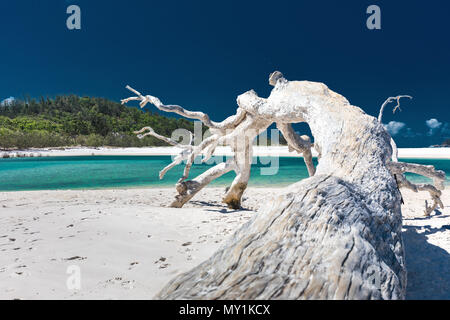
{"x":7,"y":101}
{"x":434,"y":125}
{"x":436,"y":130}
{"x":394,"y":127}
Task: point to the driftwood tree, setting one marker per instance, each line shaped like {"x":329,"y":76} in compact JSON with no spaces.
{"x":335,"y":235}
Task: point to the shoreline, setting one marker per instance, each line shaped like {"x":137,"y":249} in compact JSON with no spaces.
{"x":271,"y":151}
{"x":168,"y":187}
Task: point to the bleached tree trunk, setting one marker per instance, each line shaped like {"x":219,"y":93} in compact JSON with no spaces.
{"x":335,"y":235}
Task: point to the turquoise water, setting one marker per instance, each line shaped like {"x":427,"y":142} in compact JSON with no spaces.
{"x":95,"y":172}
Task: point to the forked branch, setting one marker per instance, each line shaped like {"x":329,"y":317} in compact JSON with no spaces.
{"x":150,"y":132}
{"x":196,"y":115}
{"x":186,"y":150}
{"x":389,"y":100}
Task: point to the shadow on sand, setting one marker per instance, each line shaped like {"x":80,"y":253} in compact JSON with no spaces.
{"x":222,"y":208}
{"x":428,"y":265}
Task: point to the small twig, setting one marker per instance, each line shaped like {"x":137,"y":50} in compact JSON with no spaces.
{"x":389,"y":100}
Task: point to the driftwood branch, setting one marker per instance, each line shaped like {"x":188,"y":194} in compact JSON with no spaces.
{"x":196,"y":115}
{"x":399,"y":168}
{"x":148,"y":131}
{"x":389,"y":100}
{"x":301,"y":144}
{"x":182,"y":156}
{"x":437,"y":176}
{"x":237,"y":131}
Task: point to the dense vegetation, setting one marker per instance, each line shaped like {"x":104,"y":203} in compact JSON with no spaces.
{"x":79,"y":121}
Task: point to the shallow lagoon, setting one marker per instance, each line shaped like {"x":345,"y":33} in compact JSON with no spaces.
{"x":95,"y":172}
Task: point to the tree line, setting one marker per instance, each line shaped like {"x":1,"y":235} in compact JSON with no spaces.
{"x":70,"y":120}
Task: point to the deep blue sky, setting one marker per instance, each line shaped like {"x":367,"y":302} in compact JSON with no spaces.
{"x":202,"y":54}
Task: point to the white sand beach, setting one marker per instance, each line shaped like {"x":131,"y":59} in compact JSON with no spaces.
{"x":280,"y":151}
{"x":127,"y":243}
